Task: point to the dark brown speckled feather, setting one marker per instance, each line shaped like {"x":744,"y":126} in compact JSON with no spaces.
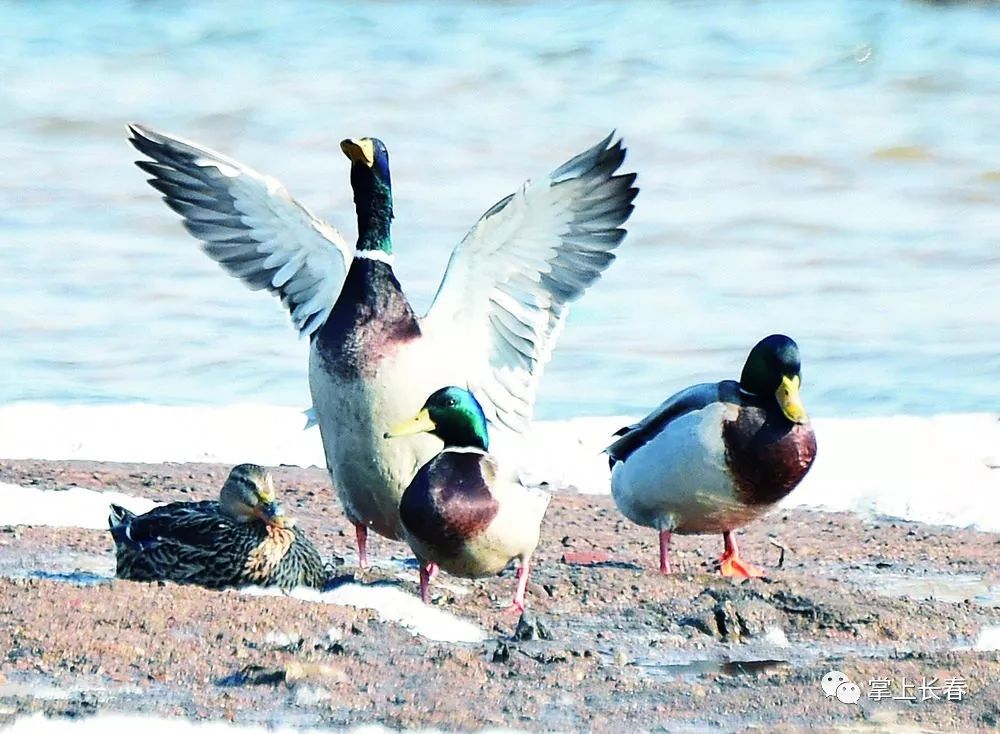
{"x":197,"y":543}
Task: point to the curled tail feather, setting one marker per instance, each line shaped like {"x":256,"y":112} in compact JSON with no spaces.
{"x":120,"y":524}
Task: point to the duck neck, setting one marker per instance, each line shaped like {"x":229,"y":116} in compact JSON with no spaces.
{"x":373,"y":202}
{"x":466,"y":442}
{"x":464,"y":433}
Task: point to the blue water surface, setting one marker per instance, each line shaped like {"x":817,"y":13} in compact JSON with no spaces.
{"x":830,"y":170}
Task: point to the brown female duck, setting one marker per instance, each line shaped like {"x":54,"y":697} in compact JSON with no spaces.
{"x":240,"y":540}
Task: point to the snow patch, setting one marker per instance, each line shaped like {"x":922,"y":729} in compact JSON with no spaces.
{"x":262,"y":434}
{"x":64,"y":508}
{"x":936,"y":469}
{"x":988,"y":639}
{"x":393,"y":605}
{"x":776,"y":636}
{"x":942,"y":469}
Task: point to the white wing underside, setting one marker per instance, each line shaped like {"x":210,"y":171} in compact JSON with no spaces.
{"x":510,"y":281}
{"x":250,"y":225}
{"x":504,"y":295}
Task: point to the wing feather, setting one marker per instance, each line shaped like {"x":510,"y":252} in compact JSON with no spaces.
{"x":686,"y":401}
{"x":250,"y":225}
{"x":510,"y":281}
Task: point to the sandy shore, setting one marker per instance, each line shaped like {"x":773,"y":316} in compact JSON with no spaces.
{"x":690,"y":652}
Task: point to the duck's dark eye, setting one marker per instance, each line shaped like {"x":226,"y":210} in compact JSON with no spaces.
{"x":451,"y":403}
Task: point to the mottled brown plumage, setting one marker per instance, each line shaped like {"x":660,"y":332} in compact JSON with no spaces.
{"x":240,"y":540}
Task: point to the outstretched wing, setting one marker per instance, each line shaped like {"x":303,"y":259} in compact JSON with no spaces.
{"x":249,"y":224}
{"x":510,"y":281}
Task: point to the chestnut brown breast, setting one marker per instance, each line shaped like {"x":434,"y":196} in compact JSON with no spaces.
{"x":767,"y":454}
{"x":370,"y":320}
{"x":449,"y":500}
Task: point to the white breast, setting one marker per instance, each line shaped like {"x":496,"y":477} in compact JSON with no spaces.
{"x":679,"y":481}
{"x":368,"y":471}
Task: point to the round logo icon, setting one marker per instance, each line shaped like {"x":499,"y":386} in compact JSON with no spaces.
{"x":831,"y":681}
{"x":848,"y":692}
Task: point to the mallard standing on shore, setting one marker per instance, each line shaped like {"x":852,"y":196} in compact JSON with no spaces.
{"x":460,"y":512}
{"x":716,"y":456}
{"x":242,"y":539}
{"x":492,"y":326}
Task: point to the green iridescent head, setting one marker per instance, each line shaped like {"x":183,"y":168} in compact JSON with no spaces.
{"x":372,"y":191}
{"x":453,"y":415}
{"x":773,"y":367}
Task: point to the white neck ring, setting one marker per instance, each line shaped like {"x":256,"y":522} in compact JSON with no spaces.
{"x":378,"y":255}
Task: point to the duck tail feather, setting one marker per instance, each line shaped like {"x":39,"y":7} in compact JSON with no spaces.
{"x":120,"y":523}
{"x":119,"y":516}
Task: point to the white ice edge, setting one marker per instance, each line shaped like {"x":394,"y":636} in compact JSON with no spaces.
{"x":942,"y":469}
{"x":391,"y":604}
{"x":115,"y":723}
{"x":73,"y":507}
{"x":988,"y":640}
{"x":934,"y":469}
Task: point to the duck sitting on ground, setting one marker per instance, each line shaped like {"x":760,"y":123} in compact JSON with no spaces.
{"x":716,"y":456}
{"x":458,"y":512}
{"x":491,"y":327}
{"x":242,"y":539}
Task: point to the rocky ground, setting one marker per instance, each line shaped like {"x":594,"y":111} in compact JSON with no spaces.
{"x":608,"y":644}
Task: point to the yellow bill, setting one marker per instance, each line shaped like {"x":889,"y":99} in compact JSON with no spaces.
{"x":420,"y":423}
{"x":359,"y":150}
{"x":789,"y":399}
{"x":272,"y":513}
{"x":266,"y":492}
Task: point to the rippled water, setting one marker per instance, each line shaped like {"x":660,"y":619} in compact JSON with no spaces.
{"x":830,"y":170}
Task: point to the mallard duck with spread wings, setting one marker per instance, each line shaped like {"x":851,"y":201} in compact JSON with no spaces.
{"x":715,"y":456}
{"x":461,"y":512}
{"x":492,"y":325}
{"x":242,"y":539}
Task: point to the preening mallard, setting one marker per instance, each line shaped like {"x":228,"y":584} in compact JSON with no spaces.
{"x":492,"y":325}
{"x":240,"y":540}
{"x":459,"y":512}
{"x":714,"y":457}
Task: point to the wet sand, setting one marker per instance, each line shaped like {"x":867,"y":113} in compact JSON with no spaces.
{"x":627,"y":648}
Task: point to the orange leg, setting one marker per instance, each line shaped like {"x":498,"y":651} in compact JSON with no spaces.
{"x":664,"y":551}
{"x":731,"y":564}
{"x":361,"y":533}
